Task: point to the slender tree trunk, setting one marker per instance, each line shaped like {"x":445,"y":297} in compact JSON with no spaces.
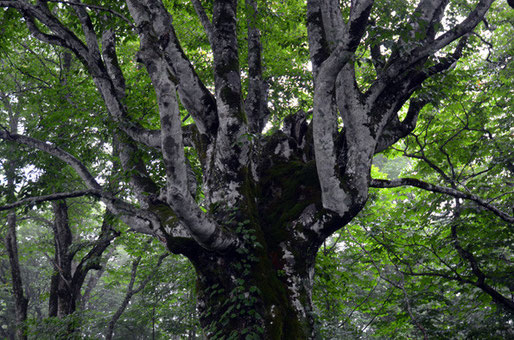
{"x":66,"y":283}
{"x":11,"y":242}
{"x":20,"y":301}
{"x":131,"y":291}
{"x":61,"y":295}
{"x":93,"y":281}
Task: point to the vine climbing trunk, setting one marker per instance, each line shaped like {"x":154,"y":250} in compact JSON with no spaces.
{"x":248,"y":293}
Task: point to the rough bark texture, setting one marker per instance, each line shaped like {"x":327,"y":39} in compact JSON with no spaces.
{"x":270,"y":201}
{"x":61,"y":302}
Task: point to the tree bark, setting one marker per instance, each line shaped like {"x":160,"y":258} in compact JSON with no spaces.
{"x":267,"y":297}
{"x":20,"y":301}
{"x":60,"y":302}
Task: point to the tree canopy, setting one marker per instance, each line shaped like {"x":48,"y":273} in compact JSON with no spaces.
{"x":329,"y":169}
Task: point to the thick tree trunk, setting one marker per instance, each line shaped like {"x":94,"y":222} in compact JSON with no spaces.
{"x":264,"y":286}
{"x":253,"y":294}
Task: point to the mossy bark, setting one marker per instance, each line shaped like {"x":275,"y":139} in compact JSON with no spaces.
{"x":262,"y":290}
{"x":255,"y":295}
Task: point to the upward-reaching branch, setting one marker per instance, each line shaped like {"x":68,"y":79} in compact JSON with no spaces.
{"x":428,"y":47}
{"x":151,"y":17}
{"x":325,"y":125}
{"x":203,"y":229}
{"x":204,"y":19}
{"x":257,"y":98}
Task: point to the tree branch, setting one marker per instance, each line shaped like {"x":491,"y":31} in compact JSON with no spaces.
{"x":382,"y":183}
{"x":206,"y":23}
{"x":111,"y":62}
{"x":54,"y":150}
{"x":256,"y":100}
{"x":51,"y":197}
{"x":195,"y":97}
{"x":96,"y":7}
{"x":131,"y":292}
{"x":335,"y":197}
{"x":396,"y":130}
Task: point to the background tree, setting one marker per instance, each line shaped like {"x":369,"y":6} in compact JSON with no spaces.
{"x":248,"y":208}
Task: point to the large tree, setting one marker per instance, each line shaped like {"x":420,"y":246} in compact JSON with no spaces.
{"x":248,"y":206}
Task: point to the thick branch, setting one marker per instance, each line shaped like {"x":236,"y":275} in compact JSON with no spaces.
{"x":88,"y":29}
{"x":256,"y":101}
{"x":205,"y":231}
{"x":334,"y":196}
{"x":382,"y":183}
{"x":152,"y":18}
{"x":396,"y":130}
{"x":333,"y":23}
{"x":318,"y":43}
{"x":111,"y":62}
{"x":226,"y":60}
